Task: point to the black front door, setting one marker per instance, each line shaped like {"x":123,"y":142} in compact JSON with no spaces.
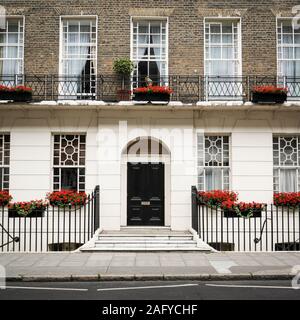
{"x":145,"y":194}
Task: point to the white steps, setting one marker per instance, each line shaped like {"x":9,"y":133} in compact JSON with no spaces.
{"x":146,"y":239}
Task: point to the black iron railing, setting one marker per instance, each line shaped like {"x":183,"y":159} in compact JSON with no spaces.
{"x":112,"y":88}
{"x":55,"y":229}
{"x":273,"y":229}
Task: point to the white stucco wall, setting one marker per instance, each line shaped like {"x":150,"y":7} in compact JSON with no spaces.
{"x":251,"y":152}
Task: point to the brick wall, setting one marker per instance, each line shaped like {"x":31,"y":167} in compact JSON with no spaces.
{"x":186,"y":34}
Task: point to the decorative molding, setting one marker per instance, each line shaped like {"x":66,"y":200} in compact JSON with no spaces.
{"x":150,"y":12}
{"x":217,"y":12}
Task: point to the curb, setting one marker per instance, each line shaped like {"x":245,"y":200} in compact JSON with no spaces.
{"x":151,"y":277}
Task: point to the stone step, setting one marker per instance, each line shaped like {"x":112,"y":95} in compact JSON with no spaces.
{"x":144,"y":238}
{"x":146,"y":249}
{"x":155,"y":242}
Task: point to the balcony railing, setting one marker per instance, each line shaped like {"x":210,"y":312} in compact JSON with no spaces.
{"x":186,"y":88}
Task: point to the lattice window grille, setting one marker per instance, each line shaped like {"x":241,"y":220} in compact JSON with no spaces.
{"x":286,"y":157}
{"x":213,"y":157}
{"x":4,"y":161}
{"x":69,"y":152}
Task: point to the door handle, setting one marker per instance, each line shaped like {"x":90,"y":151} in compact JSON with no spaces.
{"x":145,"y":203}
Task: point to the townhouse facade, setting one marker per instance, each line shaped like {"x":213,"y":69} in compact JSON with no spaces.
{"x":79,"y":133}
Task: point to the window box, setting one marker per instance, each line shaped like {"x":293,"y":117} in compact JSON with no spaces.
{"x":149,"y":97}
{"x":231,"y":213}
{"x":269,"y":94}
{"x":67,"y":198}
{"x":17,"y":94}
{"x":152,"y":93}
{"x":35,"y":213}
{"x":35,"y":208}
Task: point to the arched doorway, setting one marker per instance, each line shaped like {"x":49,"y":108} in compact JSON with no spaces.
{"x":146,"y":183}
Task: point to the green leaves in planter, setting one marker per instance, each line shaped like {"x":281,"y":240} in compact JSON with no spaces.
{"x":123,"y":66}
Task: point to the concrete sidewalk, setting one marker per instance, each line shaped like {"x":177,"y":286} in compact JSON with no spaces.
{"x":149,"y":266}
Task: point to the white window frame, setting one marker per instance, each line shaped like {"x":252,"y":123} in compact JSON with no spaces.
{"x":219,"y":20}
{"x":203,"y":167}
{"x":283,"y":80}
{"x":233,"y":86}
{"x":149,"y":18}
{"x":60,"y":166}
{"x":4,"y":165}
{"x":61,"y":50}
{"x":21,"y":47}
{"x":279,"y":167}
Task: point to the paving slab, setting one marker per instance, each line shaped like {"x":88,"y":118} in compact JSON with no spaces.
{"x":117,"y":265}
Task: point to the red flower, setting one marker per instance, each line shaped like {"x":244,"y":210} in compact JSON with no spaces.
{"x":269,"y":89}
{"x":66,"y":197}
{"x":5,"y":198}
{"x":291,"y":199}
{"x":153,"y":89}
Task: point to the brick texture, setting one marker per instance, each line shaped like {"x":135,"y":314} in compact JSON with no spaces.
{"x":186,"y":32}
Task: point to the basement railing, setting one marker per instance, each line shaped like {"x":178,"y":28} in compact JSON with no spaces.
{"x":54,"y":229}
{"x":274,"y":228}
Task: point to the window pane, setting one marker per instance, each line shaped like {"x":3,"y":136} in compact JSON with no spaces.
{"x":213,"y":179}
{"x":69,"y":178}
{"x":288,"y":180}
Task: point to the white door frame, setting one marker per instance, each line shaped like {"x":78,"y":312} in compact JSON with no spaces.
{"x":166,"y":159}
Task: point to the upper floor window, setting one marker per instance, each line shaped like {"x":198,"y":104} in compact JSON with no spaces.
{"x":4,"y":161}
{"x":149,"y":51}
{"x":69,"y":162}
{"x":78,"y":58}
{"x":288,"y":48}
{"x":213,"y":162}
{"x":11,"y":49}
{"x":222,"y":47}
{"x":286,"y":159}
{"x":223,"y":59}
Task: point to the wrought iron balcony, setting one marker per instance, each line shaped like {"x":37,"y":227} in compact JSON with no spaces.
{"x":186,"y":88}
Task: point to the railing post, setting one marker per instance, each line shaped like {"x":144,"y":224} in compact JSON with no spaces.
{"x":206,"y":88}
{"x":45,"y":87}
{"x":178,"y":88}
{"x":195,"y":222}
{"x":248,"y":89}
{"x":199,"y":88}
{"x":96,"y":208}
{"x":52,"y":88}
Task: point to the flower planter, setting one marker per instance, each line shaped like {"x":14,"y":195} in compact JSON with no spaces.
{"x":256,"y":213}
{"x":123,"y":95}
{"x":22,"y":96}
{"x":36,"y":213}
{"x":258,"y":97}
{"x":4,"y":95}
{"x":149,"y":97}
{"x":16,"y":96}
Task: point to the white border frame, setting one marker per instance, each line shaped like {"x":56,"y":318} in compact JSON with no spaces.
{"x":61,"y":37}
{"x":24,"y":30}
{"x":166,"y":18}
{"x":240,"y":43}
{"x":207,"y":133}
{"x":166,"y":159}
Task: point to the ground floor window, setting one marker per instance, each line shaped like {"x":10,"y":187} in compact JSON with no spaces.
{"x":286,"y":160}
{"x":69,"y":162}
{"x":213,"y":162}
{"x":4,"y":161}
